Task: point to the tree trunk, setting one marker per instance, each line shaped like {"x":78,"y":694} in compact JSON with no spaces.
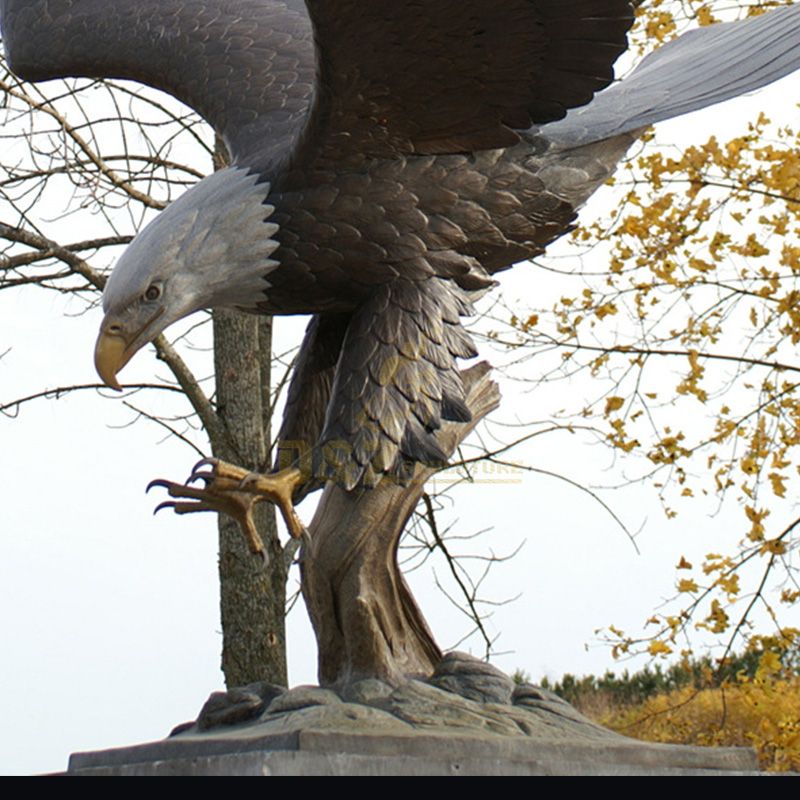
{"x":252,"y":596}
{"x":366,"y":622}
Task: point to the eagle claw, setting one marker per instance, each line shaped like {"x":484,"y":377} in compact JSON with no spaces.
{"x":214,"y":498}
{"x":162,"y":506}
{"x":234,"y":491}
{"x":158,"y":483}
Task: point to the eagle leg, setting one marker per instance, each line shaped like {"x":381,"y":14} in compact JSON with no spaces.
{"x":235,"y":491}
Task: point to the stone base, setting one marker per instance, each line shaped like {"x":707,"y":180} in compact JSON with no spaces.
{"x":332,"y":753}
{"x":468,"y":718}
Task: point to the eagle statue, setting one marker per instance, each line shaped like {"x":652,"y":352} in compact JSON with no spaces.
{"x":389,"y":158}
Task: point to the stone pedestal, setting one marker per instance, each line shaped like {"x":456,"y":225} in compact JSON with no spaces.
{"x":467,"y":719}
{"x":327,"y":752}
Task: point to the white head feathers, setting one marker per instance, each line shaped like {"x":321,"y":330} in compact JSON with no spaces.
{"x":211,"y":247}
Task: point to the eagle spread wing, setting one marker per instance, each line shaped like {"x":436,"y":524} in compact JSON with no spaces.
{"x":246,"y":66}
{"x":403,"y":153}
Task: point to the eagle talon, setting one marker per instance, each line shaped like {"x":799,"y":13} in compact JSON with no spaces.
{"x":184,"y":508}
{"x":205,"y":462}
{"x":159,"y":483}
{"x":206,"y":477}
{"x":234,"y":491}
{"x":162,"y":506}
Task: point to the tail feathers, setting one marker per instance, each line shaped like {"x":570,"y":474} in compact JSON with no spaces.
{"x":703,"y":67}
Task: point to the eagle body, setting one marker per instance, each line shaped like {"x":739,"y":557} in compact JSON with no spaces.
{"x":388,"y":159}
{"x":457,"y":217}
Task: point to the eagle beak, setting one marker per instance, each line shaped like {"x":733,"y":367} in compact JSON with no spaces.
{"x":117,"y":345}
{"x":109,"y":357}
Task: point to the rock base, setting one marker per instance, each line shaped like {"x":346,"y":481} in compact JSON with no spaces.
{"x":327,"y":754}
{"x":467,"y":719}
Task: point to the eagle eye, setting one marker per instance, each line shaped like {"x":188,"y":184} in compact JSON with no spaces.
{"x":153,"y":293}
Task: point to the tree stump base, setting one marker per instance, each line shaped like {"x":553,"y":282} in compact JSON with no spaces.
{"x":365,"y":619}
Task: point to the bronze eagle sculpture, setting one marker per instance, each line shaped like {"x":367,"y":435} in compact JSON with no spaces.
{"x":389,"y":157}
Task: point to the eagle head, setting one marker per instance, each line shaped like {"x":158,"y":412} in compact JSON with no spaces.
{"x":211,"y":248}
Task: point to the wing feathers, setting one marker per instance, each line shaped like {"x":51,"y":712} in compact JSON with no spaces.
{"x":247,"y":66}
{"x":456,"y":75}
{"x":700,"y":68}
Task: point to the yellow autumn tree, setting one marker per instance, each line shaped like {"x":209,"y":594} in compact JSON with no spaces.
{"x":696,"y":271}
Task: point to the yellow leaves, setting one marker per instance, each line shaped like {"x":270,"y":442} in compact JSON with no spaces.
{"x":688,"y":586}
{"x":769,"y":665}
{"x":749,"y":465}
{"x":659,"y":26}
{"x":705,"y":16}
{"x":659,"y":648}
{"x":778,"y":482}
{"x":763,"y":714}
{"x":758,"y":126}
{"x":772,"y":283}
{"x":701,"y":266}
{"x":757,"y":518}
{"x":669,"y":450}
{"x":684,"y":564}
{"x":606,"y":310}
{"x":598,"y":363}
{"x":634,"y":226}
{"x":719,"y":243}
{"x":782,"y":170}
{"x":775,"y":547}
{"x":729,"y":584}
{"x":761,"y":447}
{"x":619,"y":437}
{"x":524,"y":325}
{"x":718,"y":620}
{"x":617,"y":265}
{"x":724,"y":428}
{"x":622,"y":645}
{"x":691,"y":384}
{"x":790,"y":257}
{"x":788,"y":304}
{"x":716,"y":563}
{"x":778,"y":223}
{"x":613,"y":404}
{"x":750,"y":248}
{"x":674,"y":624}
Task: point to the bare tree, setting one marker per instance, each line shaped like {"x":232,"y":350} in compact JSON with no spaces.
{"x":121,"y":154}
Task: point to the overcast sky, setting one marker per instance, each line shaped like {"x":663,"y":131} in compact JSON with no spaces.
{"x":109,"y":618}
